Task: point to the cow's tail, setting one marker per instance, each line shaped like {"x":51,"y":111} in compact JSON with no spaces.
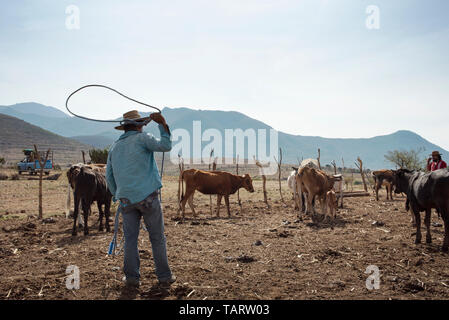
{"x":298,"y":189}
{"x":67,"y":206}
{"x":181,"y":184}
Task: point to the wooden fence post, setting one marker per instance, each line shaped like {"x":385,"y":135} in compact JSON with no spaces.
{"x":279,"y":163}
{"x":264,"y":181}
{"x":210,"y":196}
{"x":343,"y":175}
{"x":41,"y":172}
{"x":180,"y":185}
{"x":319,"y":156}
{"x":360,"y":166}
{"x":335,"y":166}
{"x":237,"y":173}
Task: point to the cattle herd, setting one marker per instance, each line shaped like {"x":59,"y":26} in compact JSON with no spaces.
{"x":423,"y":191}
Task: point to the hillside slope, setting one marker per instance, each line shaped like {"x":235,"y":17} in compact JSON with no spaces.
{"x":16,"y":135}
{"x":34,"y":109}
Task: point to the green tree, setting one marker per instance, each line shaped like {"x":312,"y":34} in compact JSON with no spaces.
{"x":404,"y":159}
{"x":2,"y":161}
{"x":98,"y":155}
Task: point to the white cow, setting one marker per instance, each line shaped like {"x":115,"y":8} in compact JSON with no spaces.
{"x":310,"y":162}
{"x":291,"y":181}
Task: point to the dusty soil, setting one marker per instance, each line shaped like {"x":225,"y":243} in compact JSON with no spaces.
{"x":258,"y":253}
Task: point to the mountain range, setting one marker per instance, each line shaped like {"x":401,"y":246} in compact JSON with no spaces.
{"x":294,"y":147}
{"x":16,"y":135}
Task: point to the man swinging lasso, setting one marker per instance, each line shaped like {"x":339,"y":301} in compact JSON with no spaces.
{"x":133,"y":178}
{"x":435,"y":162}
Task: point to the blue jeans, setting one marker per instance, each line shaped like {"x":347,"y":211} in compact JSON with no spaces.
{"x":151,"y":211}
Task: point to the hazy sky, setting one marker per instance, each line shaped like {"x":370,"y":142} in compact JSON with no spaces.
{"x":303,"y":67}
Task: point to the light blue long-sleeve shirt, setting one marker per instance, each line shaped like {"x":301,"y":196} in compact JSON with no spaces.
{"x":131,"y":170}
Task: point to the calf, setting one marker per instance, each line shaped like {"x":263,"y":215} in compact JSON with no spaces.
{"x":213,"y":182}
{"x":425,"y":191}
{"x":90,"y":185}
{"x":383,"y":178}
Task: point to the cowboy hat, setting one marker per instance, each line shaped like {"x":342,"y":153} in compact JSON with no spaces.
{"x":436,"y":153}
{"x":132,"y":115}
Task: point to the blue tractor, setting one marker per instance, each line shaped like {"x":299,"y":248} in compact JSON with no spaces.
{"x":31,"y":164}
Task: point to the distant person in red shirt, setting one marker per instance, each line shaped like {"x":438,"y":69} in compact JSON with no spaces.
{"x":435,"y":162}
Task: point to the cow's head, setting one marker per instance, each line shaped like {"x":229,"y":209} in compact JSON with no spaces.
{"x":72,"y":173}
{"x":333,"y":179}
{"x":247,"y":183}
{"x":400,"y":180}
{"x":296,"y":169}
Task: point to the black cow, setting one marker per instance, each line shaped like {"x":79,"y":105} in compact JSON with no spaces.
{"x":426,"y":191}
{"x":90,"y":186}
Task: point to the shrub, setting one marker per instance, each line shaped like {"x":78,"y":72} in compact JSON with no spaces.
{"x":2,"y":161}
{"x":3,"y":176}
{"x":98,"y":155}
{"x":404,"y":159}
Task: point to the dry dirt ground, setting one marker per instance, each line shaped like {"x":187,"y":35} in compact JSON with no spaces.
{"x":258,"y":253}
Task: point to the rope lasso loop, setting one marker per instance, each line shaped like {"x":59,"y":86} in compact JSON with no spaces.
{"x":136,"y":121}
{"x":140,"y":121}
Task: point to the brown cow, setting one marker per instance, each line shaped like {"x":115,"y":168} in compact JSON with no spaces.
{"x":213,"y":182}
{"x":383,"y":178}
{"x":315,"y":183}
